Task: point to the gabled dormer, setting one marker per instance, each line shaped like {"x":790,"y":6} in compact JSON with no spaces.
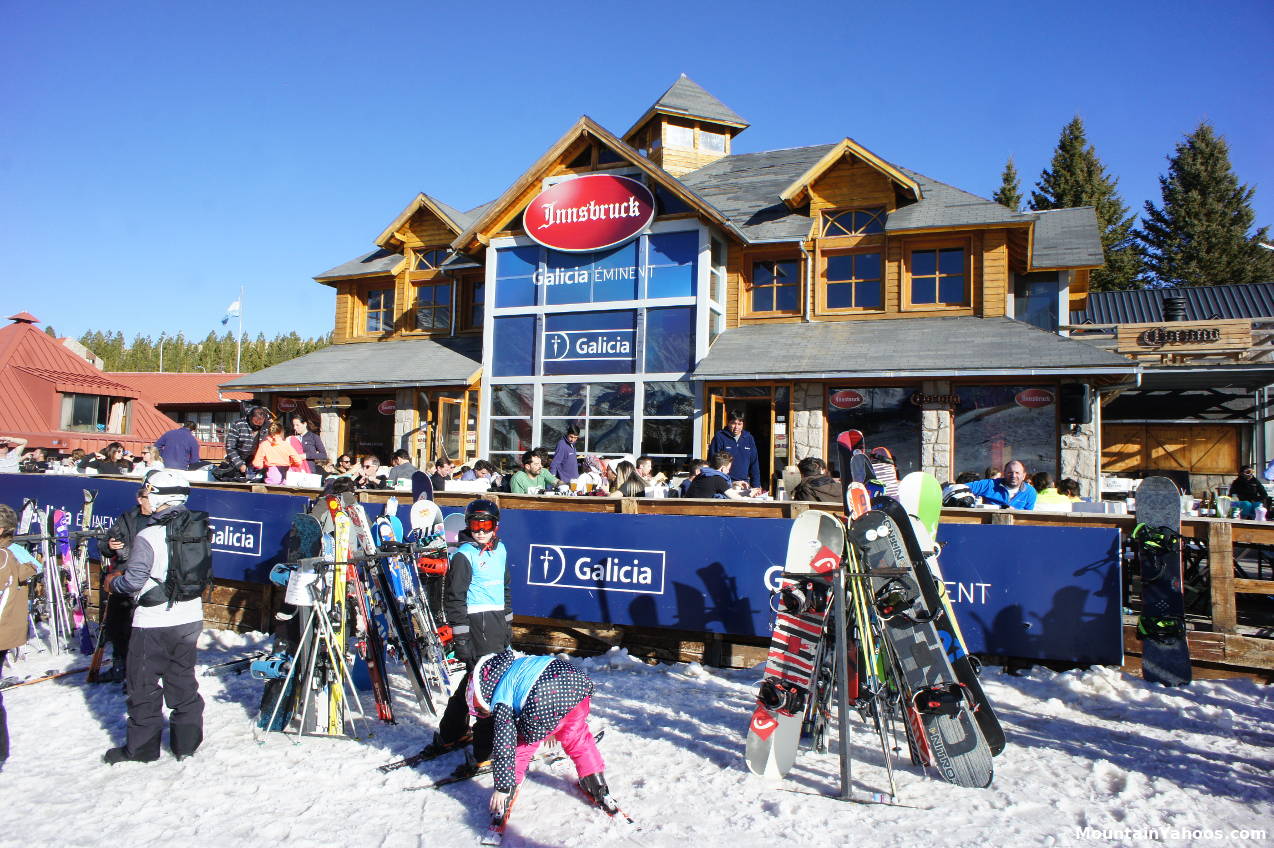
{"x":685,"y":129}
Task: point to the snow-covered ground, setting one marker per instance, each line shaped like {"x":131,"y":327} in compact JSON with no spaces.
{"x":1093,"y":750}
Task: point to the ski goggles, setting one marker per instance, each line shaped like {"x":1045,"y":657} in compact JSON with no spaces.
{"x":481,"y":525}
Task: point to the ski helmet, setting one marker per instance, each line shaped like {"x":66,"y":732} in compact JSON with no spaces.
{"x":482,"y":508}
{"x":166,"y":488}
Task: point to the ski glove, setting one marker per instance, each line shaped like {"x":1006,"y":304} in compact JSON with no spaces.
{"x":499,"y":803}
{"x":464,"y":653}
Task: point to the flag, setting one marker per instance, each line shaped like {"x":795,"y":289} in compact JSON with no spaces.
{"x":232,"y":311}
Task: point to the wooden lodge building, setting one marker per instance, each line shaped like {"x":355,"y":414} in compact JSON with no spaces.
{"x":641,"y":284}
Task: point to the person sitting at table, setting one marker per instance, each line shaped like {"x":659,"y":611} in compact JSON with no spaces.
{"x":1248,"y":492}
{"x":816,"y":485}
{"x":714,"y":480}
{"x":532,"y":476}
{"x":1010,"y":491}
{"x":1046,"y":495}
{"x":628,"y":483}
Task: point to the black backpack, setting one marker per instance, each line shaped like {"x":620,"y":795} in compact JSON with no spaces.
{"x":189,"y":541}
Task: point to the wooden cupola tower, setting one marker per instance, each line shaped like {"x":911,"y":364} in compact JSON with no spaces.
{"x":685,"y":129}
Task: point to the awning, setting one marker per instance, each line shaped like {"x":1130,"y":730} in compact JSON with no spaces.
{"x":907,"y":348}
{"x":1218,"y":376}
{"x":371,"y":365}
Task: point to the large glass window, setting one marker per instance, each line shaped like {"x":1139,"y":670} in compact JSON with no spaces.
{"x":511,"y":408}
{"x":885,"y":416}
{"x":380,"y":310}
{"x":515,"y":274}
{"x":1035,"y":299}
{"x":853,"y":281}
{"x":670,"y":339}
{"x":514,"y":346}
{"x":671,"y":265}
{"x":667,"y":430}
{"x":776,"y":286}
{"x":711,"y":141}
{"x":433,"y":306}
{"x":938,"y":277}
{"x":602,"y":411}
{"x":679,"y":136}
{"x":995,"y":424}
{"x":94,"y":414}
{"x":854,"y":222}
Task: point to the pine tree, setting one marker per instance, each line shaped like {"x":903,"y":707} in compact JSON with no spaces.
{"x":1076,"y":177}
{"x":49,"y":331}
{"x":1199,"y":236}
{"x":1010,"y":191}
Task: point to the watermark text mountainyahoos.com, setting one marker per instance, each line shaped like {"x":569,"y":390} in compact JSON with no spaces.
{"x":1161,"y":834}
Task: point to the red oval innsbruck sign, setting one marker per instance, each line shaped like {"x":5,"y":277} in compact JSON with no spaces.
{"x":1034,"y":398}
{"x":589,"y":213}
{"x":847,"y":399}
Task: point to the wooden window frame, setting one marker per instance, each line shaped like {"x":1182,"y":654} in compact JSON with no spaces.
{"x":450,"y":305}
{"x":365,"y":308}
{"x":912,"y":247}
{"x":419,"y":258}
{"x":827,"y":216}
{"x":465,"y":288}
{"x":862,"y":247}
{"x":749,"y":266}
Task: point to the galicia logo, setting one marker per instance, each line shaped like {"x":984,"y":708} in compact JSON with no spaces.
{"x":591,"y":212}
{"x":607,"y":569}
{"x":588,"y":345}
{"x":235,"y":536}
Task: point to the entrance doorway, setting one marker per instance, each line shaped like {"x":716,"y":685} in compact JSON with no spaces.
{"x":766,"y":415}
{"x":369,"y":428}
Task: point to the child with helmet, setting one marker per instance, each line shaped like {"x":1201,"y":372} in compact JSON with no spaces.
{"x":531,"y":699}
{"x":479,"y":609}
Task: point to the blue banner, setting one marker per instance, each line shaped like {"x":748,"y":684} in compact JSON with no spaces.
{"x":1047,"y":593}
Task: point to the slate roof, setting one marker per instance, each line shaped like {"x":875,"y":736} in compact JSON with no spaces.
{"x":1067,"y":238}
{"x":1203,"y":303}
{"x":366,"y":365}
{"x":687,"y":97}
{"x":915,"y":348}
{"x":379,"y":261}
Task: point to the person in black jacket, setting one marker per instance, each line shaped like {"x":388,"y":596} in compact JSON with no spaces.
{"x":478,"y":604}
{"x":117,"y":612}
{"x":1248,"y":491}
{"x":815,"y":483}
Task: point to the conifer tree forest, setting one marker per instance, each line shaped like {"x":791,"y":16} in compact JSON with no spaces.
{"x":1203,"y":231}
{"x":213,"y":353}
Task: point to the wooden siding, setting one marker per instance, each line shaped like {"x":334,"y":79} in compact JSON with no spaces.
{"x":1195,"y":448}
{"x":851,"y":182}
{"x":993,"y":261}
{"x":425,"y":229}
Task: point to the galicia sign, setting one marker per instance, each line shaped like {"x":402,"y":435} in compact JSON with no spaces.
{"x":593,"y":569}
{"x":588,"y":345}
{"x":589,"y":213}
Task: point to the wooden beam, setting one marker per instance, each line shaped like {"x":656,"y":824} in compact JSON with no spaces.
{"x":1221,"y":567}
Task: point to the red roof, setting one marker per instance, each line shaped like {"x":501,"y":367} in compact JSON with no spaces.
{"x":180,"y":389}
{"x":35,"y":369}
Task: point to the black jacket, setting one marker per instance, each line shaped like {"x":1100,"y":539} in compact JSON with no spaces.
{"x":1248,"y":490}
{"x":481,"y":632}
{"x":820,"y":489}
{"x":125,"y":529}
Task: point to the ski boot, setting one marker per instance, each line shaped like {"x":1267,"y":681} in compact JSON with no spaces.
{"x":470,"y":767}
{"x":437,"y":747}
{"x":594,"y":786}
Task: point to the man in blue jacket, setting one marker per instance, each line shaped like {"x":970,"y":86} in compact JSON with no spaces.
{"x":179,"y":447}
{"x":1010,"y":491}
{"x":739,"y":443}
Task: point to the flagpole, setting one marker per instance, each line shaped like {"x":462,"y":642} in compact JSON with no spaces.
{"x":238,"y":345}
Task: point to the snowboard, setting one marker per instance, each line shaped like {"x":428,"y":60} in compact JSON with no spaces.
{"x":814,"y":549}
{"x":923,"y":552}
{"x":935,"y":698}
{"x":421,"y":486}
{"x":884,"y":470}
{"x":1165,"y":656}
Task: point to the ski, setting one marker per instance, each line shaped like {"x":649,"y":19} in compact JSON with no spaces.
{"x":549,"y":757}
{"x":6,"y":684}
{"x":499,"y":824}
{"x":235,"y":666}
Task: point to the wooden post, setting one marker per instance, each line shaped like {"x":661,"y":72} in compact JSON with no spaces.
{"x":1221,"y":567}
{"x":1001,"y":517}
{"x":628,"y":506}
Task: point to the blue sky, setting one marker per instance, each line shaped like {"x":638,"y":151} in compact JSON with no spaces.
{"x":154,"y":157}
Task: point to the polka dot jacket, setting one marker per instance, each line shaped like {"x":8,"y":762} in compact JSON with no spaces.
{"x":559,"y":690}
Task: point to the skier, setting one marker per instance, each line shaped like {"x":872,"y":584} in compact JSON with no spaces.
{"x":14,"y":574}
{"x":478,"y":605}
{"x":530,"y":699}
{"x":165,"y":629}
{"x":117,"y":608}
